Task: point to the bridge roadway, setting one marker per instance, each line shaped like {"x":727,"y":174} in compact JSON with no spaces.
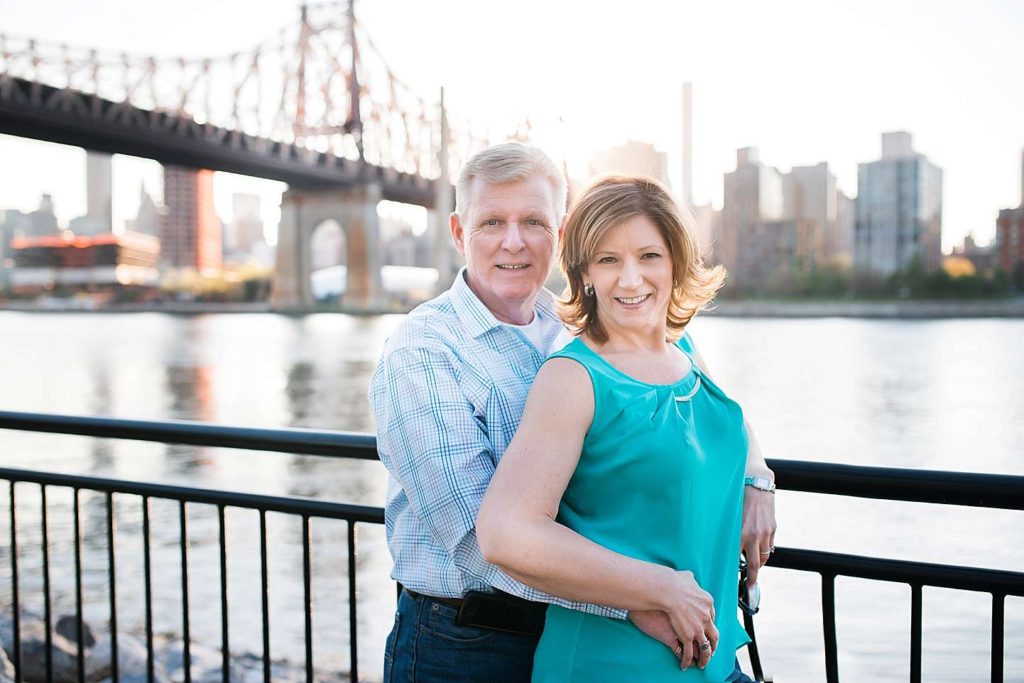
{"x":34,"y":110}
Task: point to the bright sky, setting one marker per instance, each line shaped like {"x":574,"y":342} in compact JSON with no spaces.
{"x":803,"y":80}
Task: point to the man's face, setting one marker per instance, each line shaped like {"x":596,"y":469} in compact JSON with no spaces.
{"x":508,"y":237}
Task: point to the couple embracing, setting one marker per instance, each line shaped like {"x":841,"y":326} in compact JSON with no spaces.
{"x":570,"y":491}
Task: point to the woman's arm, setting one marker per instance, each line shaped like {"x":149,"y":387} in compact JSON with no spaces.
{"x":517,"y":530}
{"x":757,"y":536}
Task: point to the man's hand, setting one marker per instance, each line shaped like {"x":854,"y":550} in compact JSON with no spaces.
{"x":757,"y":538}
{"x":656,"y":624}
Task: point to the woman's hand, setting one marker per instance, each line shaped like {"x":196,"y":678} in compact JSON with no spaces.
{"x":757,"y":538}
{"x":691,"y":613}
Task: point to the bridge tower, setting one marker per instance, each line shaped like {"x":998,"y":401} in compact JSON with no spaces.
{"x":355,"y":209}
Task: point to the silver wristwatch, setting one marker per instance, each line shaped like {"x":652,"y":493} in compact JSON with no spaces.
{"x":760,"y":483}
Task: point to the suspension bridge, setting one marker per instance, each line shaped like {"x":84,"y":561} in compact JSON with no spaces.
{"x":315,"y":106}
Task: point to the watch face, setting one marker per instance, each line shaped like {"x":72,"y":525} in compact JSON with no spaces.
{"x":760,"y":483}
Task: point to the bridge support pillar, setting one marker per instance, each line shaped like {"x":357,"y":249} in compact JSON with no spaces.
{"x":291,"y":287}
{"x":362,"y":232}
{"x":355,"y":209}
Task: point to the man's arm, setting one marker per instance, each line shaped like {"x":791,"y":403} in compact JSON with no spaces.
{"x":433,"y":444}
{"x":757,"y":536}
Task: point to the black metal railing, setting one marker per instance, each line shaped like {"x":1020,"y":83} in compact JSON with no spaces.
{"x":921,"y":486}
{"x":299,"y":441}
{"x":946,"y":488}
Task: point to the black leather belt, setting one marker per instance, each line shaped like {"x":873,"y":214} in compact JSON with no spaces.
{"x":495,"y":611}
{"x":451,"y":602}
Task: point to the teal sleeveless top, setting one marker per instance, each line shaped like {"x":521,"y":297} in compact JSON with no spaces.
{"x":660,"y":479}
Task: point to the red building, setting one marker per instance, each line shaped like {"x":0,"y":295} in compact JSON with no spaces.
{"x":1010,"y":232}
{"x":1010,"y":238}
{"x":190,"y":236}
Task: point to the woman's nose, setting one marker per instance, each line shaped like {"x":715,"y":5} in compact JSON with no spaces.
{"x":630,"y":276}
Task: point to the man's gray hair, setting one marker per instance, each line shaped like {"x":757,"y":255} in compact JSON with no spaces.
{"x":507,"y":163}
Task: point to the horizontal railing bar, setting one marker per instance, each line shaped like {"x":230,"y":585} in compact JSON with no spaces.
{"x":284,"y":440}
{"x":313,"y":508}
{"x":889,"y":483}
{"x":900,"y":571}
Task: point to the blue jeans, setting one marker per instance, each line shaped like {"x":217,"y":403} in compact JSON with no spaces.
{"x":425,"y":646}
{"x":738,"y":676}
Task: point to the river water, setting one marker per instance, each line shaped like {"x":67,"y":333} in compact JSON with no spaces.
{"x":943,"y":394}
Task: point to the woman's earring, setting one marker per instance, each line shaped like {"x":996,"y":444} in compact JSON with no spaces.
{"x":588,"y":290}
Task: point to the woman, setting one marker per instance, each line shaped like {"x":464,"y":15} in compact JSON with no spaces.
{"x":624,"y":483}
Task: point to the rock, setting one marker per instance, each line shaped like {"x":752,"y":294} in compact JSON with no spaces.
{"x":31,"y":626}
{"x":6,"y":668}
{"x":67,"y":626}
{"x":64,"y":652}
{"x":131,"y":658}
{"x":206,"y":661}
{"x":33,"y":658}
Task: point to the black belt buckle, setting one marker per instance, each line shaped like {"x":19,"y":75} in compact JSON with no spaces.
{"x":501,"y":612}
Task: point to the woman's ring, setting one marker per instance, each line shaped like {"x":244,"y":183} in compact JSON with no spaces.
{"x":705,"y":646}
{"x":679,"y":649}
{"x":771,"y":549}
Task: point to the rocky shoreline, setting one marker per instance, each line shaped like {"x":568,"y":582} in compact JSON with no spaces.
{"x":168,"y":657}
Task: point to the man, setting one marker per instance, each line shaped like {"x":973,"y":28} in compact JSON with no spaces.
{"x":447,"y":395}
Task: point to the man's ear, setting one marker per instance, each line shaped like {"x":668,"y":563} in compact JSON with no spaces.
{"x":561,"y":227}
{"x":458,"y":234}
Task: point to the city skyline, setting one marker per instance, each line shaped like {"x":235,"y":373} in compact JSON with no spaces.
{"x":803,"y":97}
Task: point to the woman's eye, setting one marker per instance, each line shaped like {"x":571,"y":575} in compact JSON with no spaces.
{"x":606,"y":259}
{"x":652,"y":254}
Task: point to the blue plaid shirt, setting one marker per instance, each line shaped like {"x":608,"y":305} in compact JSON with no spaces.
{"x":447,"y":396}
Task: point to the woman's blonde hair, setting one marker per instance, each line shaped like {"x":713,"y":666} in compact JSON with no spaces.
{"x":608,"y":202}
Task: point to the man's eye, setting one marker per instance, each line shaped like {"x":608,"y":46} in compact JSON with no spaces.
{"x":492,"y":222}
{"x":533,"y":221}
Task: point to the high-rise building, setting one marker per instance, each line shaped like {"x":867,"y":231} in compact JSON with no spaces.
{"x":810,"y":196}
{"x":752,"y":198}
{"x":191,"y":233}
{"x":1010,"y":233}
{"x":43,"y":221}
{"x":846,"y":222}
{"x":632,"y":158}
{"x":99,"y":197}
{"x":247,"y":223}
{"x":98,"y":218}
{"x":149,"y":217}
{"x":899,"y":209}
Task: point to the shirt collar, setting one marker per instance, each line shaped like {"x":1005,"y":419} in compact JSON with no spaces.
{"x":477,"y":318}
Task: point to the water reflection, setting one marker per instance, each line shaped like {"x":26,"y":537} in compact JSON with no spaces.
{"x":300,"y":391}
{"x":937,"y":394}
{"x":190,"y":392}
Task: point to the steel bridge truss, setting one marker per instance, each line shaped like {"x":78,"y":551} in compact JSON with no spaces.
{"x":317,"y":95}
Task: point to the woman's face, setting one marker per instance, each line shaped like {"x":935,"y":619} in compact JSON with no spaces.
{"x":631,"y":271}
